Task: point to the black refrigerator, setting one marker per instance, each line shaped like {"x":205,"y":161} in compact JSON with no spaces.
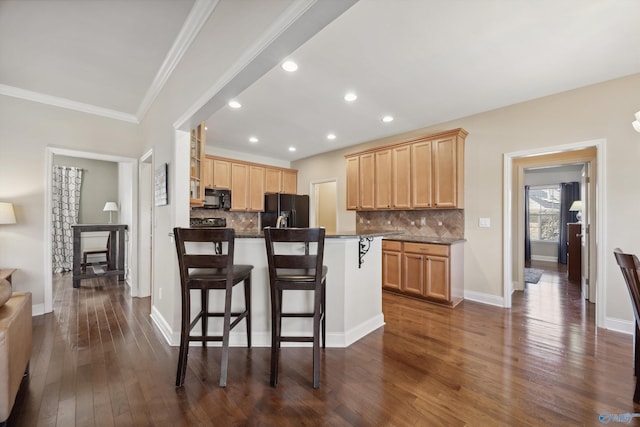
{"x":293,"y":208}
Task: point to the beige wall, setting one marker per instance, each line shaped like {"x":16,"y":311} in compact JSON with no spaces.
{"x":26,"y":129}
{"x":602,"y":111}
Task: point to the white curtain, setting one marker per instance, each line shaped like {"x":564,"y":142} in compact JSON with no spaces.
{"x":67,"y":182}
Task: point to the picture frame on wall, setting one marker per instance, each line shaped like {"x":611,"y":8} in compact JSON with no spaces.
{"x":160,"y":184}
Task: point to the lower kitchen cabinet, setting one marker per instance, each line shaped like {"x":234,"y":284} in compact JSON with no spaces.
{"x":433,"y":272}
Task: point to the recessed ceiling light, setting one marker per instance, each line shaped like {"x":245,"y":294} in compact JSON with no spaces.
{"x":289,"y":66}
{"x":350,"y":97}
{"x":331,"y":136}
{"x":292,"y":149}
{"x":234,"y":104}
{"x":253,"y":139}
{"x":387,"y":119}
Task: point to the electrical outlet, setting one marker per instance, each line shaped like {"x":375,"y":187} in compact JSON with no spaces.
{"x":439,"y":223}
{"x":361,"y":220}
{"x":423,"y":221}
{"x":413,"y":223}
{"x":484,"y":222}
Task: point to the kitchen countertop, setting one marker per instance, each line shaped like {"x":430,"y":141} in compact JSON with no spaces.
{"x":335,"y":235}
{"x":424,"y":239}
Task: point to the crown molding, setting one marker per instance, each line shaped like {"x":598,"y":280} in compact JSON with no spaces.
{"x":198,"y":16}
{"x":42,"y":98}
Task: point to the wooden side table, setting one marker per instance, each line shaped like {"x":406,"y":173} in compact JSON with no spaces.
{"x":5,"y":273}
{"x":116,"y":256}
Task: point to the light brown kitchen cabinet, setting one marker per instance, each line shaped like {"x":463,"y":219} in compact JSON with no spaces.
{"x":353,"y":186}
{"x":391,"y":265}
{"x":401,"y":177}
{"x":247,"y":187}
{"x":196,"y":167}
{"x":382,"y":178}
{"x":207,"y":173}
{"x":432,"y":272}
{"x":221,"y":174}
{"x":272,"y":180}
{"x":366,"y":181}
{"x":289,"y":181}
{"x":422,"y":173}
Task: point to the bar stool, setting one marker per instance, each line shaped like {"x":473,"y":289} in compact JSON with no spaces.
{"x":204,"y":266}
{"x":287,"y":272}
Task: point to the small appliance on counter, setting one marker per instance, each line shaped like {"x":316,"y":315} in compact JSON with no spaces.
{"x":208,"y":222}
{"x":285,"y":210}
{"x":217,"y":199}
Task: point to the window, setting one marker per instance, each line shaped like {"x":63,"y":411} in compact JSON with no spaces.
{"x":544,"y":213}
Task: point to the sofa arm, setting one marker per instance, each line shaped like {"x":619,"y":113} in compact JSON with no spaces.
{"x":15,"y":348}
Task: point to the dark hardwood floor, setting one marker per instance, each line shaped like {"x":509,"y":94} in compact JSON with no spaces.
{"x":99,"y":361}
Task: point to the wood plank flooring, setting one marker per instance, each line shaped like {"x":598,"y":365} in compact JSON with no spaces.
{"x":99,"y":361}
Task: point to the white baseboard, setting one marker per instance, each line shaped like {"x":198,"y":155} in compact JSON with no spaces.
{"x":484,"y":298}
{"x":619,"y":325}
{"x":164,"y":327}
{"x":553,"y":259}
{"x":37,"y":309}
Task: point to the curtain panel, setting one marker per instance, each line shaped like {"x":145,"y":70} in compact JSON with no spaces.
{"x":66,"y":186}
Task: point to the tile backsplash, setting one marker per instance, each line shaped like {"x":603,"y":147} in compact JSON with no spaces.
{"x":241,"y":221}
{"x":447,"y":223}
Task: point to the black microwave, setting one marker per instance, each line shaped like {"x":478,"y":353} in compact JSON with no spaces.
{"x":217,"y":199}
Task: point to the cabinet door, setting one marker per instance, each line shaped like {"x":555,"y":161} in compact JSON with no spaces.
{"x":289,"y":182}
{"x":413,"y":273}
{"x":392,"y":265}
{"x":256,"y":189}
{"x":239,"y":187}
{"x":382,"y":178}
{"x":437,"y":278}
{"x":272,"y":180}
{"x":207,"y":174}
{"x":366,"y":181}
{"x":401,"y":177}
{"x":445,"y":183}
{"x":353,"y":178}
{"x":421,"y":174}
{"x":221,"y":174}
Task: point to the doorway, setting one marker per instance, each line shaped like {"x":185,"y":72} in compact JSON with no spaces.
{"x":591,"y":153}
{"x":324,"y":210}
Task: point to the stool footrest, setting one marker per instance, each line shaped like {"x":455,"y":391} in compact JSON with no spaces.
{"x":296,"y":339}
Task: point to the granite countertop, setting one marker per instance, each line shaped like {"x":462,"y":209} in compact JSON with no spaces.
{"x":425,"y":239}
{"x":335,"y":235}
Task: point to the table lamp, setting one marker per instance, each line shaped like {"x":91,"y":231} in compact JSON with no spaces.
{"x":7,"y":213}
{"x":110,"y":207}
{"x":577,"y":207}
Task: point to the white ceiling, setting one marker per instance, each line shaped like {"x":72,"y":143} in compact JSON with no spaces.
{"x":422,"y":61}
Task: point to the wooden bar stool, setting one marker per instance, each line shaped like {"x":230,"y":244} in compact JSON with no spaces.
{"x":204,"y":266}
{"x":630,"y":266}
{"x":289,"y":271}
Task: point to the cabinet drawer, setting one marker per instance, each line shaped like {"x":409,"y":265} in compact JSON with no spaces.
{"x":424,"y":248}
{"x":390,"y":245}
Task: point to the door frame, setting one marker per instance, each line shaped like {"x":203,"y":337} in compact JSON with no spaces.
{"x":312,"y":200}
{"x":513,"y":255}
{"x":146,"y":212}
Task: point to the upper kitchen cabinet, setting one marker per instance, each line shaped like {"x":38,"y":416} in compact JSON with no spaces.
{"x":196,"y":167}
{"x":247,"y":187}
{"x":220,"y":175}
{"x":423,"y":173}
{"x":278,"y":180}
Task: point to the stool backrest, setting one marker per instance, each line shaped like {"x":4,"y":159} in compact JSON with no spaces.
{"x":629,"y":265}
{"x":288,"y":260}
{"x":210,"y":254}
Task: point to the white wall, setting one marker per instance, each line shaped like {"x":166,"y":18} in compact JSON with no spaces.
{"x":600,"y":111}
{"x":26,"y":128}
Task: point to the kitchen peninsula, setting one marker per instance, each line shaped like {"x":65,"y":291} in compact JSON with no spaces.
{"x":354,"y":289}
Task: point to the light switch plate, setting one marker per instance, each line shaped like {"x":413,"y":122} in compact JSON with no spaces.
{"x":485,"y":222}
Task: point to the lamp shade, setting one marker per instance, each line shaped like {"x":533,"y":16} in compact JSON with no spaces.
{"x":110,"y":207}
{"x":7,"y":214}
{"x":576,"y":206}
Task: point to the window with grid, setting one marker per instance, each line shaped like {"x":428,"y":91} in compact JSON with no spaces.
{"x":544,"y":213}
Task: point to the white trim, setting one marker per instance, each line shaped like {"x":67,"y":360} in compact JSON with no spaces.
{"x":619,"y":325}
{"x":484,"y":298}
{"x":66,"y":103}
{"x":312,"y":200}
{"x":49,"y":153}
{"x":544,"y":258}
{"x":37,"y":309}
{"x":600,"y":145}
{"x":357,"y":332}
{"x":172,"y":338}
{"x":198,"y":16}
{"x":290,"y":16}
